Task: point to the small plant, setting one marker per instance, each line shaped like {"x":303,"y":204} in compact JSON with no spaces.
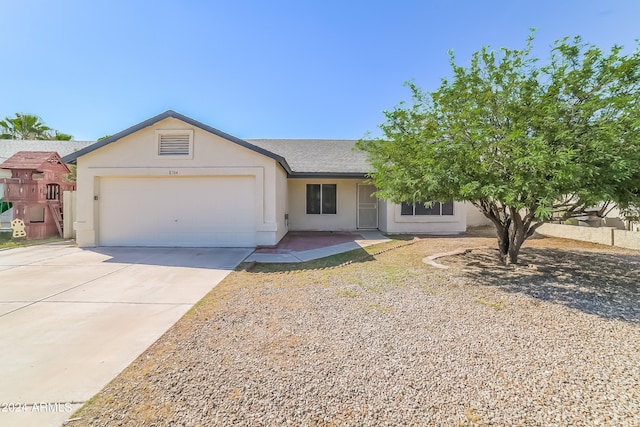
{"x":472,"y":418}
{"x":8,"y":241}
{"x":14,"y":242}
{"x":382,"y":308}
{"x":5,"y":236}
{"x":347,"y":293}
{"x":430,"y":291}
{"x":499,"y":305}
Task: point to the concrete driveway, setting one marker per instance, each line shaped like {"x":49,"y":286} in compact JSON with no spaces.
{"x":71,"y":319}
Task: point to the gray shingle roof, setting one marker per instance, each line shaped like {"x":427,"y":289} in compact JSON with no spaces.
{"x":318,"y":157}
{"x":9,"y":147}
{"x":306,"y":157}
{"x":299,"y":157}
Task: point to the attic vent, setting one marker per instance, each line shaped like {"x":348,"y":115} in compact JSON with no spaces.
{"x":175,"y":144}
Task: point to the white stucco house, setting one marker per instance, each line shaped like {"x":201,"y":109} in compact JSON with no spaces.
{"x":173,"y":181}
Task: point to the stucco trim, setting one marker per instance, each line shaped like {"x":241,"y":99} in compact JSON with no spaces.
{"x":344,"y":175}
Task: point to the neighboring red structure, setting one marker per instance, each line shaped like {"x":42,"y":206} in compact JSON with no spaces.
{"x":35,"y":190}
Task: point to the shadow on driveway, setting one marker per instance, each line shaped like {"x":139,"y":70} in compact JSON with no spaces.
{"x":209,"y":258}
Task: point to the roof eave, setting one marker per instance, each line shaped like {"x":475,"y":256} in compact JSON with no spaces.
{"x":72,"y":158}
{"x":351,"y":175}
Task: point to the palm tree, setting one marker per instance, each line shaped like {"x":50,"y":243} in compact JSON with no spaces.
{"x":24,"y":126}
{"x":59,"y":136}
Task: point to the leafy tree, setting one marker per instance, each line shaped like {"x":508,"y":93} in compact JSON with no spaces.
{"x":525,"y":143}
{"x":29,"y":126}
{"x":73,"y":173}
{"x":24,"y":126}
{"x":59,"y":136}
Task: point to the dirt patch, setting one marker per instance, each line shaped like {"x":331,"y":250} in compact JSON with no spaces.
{"x":593,"y":278}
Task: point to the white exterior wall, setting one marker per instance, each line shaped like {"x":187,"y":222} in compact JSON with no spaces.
{"x":615,"y":219}
{"x":475,"y":218}
{"x":70,"y":209}
{"x":391,"y":221}
{"x":626,"y":239}
{"x":213,"y":156}
{"x":282,"y":203}
{"x":343,"y":220}
{"x":383,"y":215}
{"x":389,"y":218}
{"x":601,"y":235}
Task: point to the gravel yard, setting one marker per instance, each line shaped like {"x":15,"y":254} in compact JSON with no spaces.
{"x":391,"y":341}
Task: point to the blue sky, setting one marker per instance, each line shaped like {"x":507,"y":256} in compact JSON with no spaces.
{"x":263,"y":69}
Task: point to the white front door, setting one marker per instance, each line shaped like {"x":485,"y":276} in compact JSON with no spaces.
{"x":367,"y":216}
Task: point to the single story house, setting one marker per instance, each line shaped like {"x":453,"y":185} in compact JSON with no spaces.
{"x":173,"y":181}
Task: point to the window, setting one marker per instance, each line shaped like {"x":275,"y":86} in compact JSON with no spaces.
{"x":52,"y":192}
{"x":175,"y":144}
{"x":321,"y":198}
{"x":436,"y":208}
{"x":36,"y":214}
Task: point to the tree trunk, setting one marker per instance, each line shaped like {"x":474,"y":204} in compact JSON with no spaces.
{"x":519,"y":233}
{"x":512,"y":228}
{"x":514,"y":250}
{"x":510,"y":239}
{"x":503,"y":242}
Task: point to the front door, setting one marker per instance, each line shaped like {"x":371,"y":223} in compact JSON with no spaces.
{"x":367,"y":207}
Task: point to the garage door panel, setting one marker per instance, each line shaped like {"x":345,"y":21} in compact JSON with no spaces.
{"x":177,"y":211}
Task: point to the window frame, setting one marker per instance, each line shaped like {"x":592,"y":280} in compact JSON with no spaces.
{"x":322,"y":207}
{"x":426,"y":211}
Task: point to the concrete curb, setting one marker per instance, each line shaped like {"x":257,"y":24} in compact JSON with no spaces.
{"x":369,"y":238}
{"x":350,"y":261}
{"x":430,"y":260}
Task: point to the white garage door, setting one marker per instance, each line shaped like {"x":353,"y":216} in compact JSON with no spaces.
{"x":177,"y":211}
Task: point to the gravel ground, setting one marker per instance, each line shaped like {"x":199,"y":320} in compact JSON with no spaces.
{"x":391,"y":341}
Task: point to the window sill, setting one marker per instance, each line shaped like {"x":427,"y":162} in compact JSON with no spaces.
{"x":427,"y":218}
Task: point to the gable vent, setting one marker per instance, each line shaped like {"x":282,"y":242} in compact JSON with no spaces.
{"x":174,"y":145}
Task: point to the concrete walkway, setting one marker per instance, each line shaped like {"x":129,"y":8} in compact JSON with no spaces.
{"x":368,"y":238}
{"x":71,"y":319}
